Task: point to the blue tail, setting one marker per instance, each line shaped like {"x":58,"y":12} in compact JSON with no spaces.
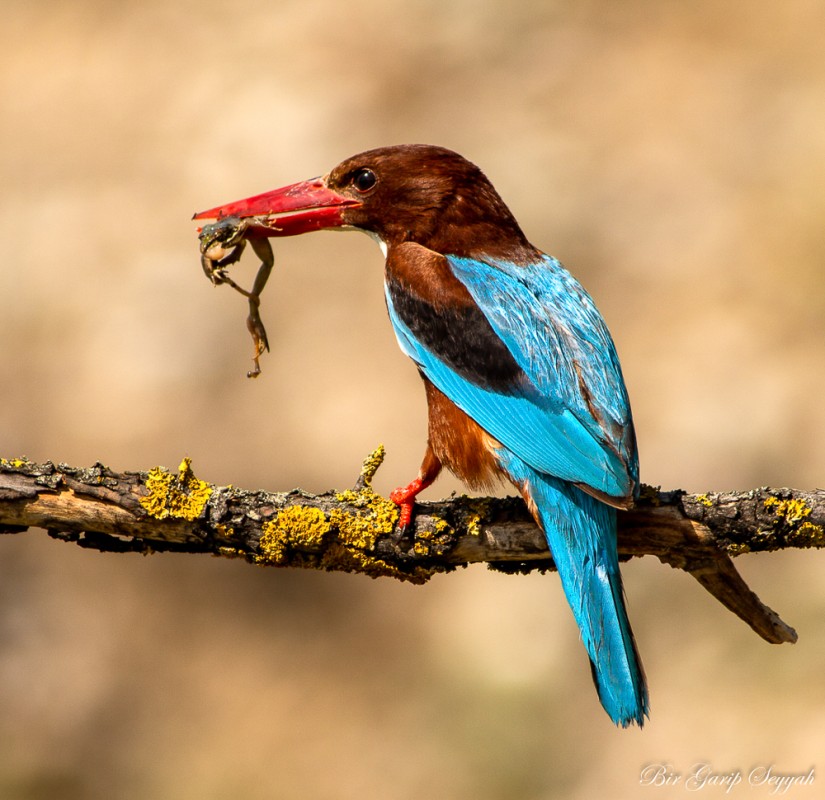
{"x":581,"y":533}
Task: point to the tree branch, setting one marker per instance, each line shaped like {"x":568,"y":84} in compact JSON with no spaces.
{"x":353,"y":530}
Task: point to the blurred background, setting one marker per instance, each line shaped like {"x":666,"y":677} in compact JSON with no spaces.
{"x":670,"y":154}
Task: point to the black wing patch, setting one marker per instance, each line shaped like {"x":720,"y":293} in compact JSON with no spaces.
{"x":461,"y":337}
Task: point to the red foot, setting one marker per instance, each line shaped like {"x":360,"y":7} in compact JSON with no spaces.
{"x":404,"y":498}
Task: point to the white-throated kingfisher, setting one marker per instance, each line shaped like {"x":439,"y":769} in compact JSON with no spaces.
{"x":521,"y":374}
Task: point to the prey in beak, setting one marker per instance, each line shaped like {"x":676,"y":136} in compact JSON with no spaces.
{"x":299,"y":208}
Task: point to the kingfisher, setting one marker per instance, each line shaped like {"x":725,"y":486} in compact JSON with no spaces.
{"x":521,"y":375}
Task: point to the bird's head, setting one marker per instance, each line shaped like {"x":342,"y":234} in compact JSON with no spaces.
{"x":420,"y":193}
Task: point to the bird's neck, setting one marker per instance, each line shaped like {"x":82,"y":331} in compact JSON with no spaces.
{"x":459,"y":229}
{"x":484,"y":240}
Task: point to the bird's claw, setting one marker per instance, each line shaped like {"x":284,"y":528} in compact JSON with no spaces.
{"x":404,"y":498}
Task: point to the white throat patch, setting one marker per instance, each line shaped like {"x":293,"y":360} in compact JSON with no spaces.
{"x":374,"y":236}
{"x":381,"y":243}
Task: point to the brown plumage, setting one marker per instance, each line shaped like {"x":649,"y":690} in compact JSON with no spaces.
{"x":459,"y":443}
{"x":439,"y":200}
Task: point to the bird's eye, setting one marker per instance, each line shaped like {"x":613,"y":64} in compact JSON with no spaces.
{"x":364,"y":180}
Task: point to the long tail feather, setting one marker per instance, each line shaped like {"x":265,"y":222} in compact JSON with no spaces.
{"x":581,"y":533}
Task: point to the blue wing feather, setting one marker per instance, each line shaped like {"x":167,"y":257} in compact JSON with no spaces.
{"x":556,"y":335}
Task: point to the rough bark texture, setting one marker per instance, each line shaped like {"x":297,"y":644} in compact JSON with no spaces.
{"x":354,"y":530}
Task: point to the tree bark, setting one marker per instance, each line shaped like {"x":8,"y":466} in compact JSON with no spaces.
{"x":354,"y":530}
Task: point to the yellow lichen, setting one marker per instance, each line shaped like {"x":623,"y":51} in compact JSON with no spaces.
{"x":421,"y":548}
{"x":302,"y":528}
{"x":443,"y":537}
{"x":794,"y":513}
{"x":791,"y":511}
{"x":375,"y":516}
{"x":809,"y":534}
{"x":473,"y":511}
{"x":371,"y":464}
{"x":224,"y":531}
{"x":474,"y":524}
{"x":14,"y":462}
{"x":704,"y":500}
{"x":272,"y":546}
{"x":442,"y":526}
{"x":344,"y":539}
{"x":358,"y":531}
{"x":305,"y":529}
{"x":181,"y":496}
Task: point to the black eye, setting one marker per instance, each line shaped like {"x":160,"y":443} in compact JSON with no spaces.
{"x":364,"y":180}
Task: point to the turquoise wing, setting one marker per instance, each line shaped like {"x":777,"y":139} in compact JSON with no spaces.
{"x":571,"y":417}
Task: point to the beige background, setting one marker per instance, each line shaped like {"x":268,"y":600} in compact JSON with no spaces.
{"x":671,"y":154}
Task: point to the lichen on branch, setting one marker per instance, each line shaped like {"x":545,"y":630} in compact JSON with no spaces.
{"x":354,"y":530}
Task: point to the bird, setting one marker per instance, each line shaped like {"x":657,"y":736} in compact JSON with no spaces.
{"x":521,"y":375}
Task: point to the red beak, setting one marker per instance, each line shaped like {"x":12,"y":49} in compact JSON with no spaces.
{"x":307,"y":206}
